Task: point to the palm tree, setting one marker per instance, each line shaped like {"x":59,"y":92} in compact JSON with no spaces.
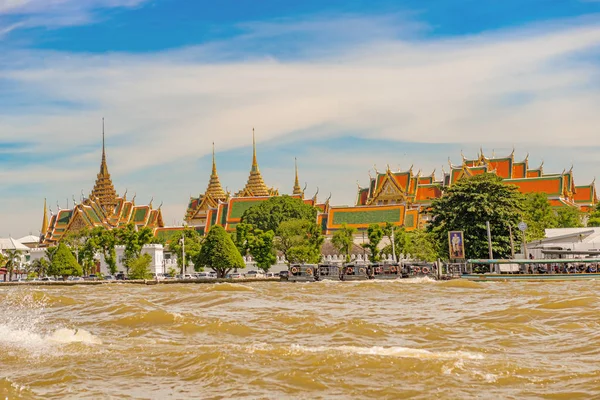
{"x":40,"y":266}
{"x":14,"y":260}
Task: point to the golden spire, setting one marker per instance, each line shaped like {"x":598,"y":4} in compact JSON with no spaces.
{"x":297,"y":189}
{"x":255,"y":186}
{"x":214,"y":189}
{"x":104,"y":189}
{"x":45,"y":220}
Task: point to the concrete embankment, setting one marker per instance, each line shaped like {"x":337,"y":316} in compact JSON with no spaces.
{"x":136,"y":282}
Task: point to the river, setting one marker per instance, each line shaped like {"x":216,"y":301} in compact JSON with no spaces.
{"x":336,"y":340}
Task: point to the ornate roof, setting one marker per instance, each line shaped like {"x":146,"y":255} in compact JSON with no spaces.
{"x":297,"y":189}
{"x":104,"y":189}
{"x":44,"y":220}
{"x":214,"y":189}
{"x":255,"y":187}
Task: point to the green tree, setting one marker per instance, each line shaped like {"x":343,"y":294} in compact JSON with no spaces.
{"x":538,"y":215}
{"x":300,"y":241}
{"x":568,"y":217}
{"x":261,"y":249}
{"x":467,"y":205}
{"x":193,"y":243}
{"x":375,"y":234}
{"x":39,"y":266}
{"x":267,"y":215}
{"x":594,"y":218}
{"x":242,"y":237}
{"x":13,"y":260}
{"x":134,"y":239}
{"x":64,"y":263}
{"x":219,"y":252}
{"x":421,"y":245}
{"x":139,"y":268}
{"x":343,"y":239}
{"x":106,"y":240}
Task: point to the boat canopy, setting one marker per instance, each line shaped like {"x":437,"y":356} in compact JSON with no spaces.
{"x":536,"y":261}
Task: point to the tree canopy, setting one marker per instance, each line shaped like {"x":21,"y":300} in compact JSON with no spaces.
{"x":267,"y":215}
{"x":261,"y":249}
{"x":219,"y":252}
{"x":467,"y":205}
{"x":343,"y":239}
{"x":300,"y":241}
{"x":133,"y":239}
{"x":140,"y":267}
{"x":569,"y":217}
{"x":538,"y":215}
{"x":375,"y":233}
{"x":193,"y":244}
{"x":64,"y":263}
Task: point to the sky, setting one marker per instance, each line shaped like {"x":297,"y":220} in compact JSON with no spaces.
{"x":346,"y":87}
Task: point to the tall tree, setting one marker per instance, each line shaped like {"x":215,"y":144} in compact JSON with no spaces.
{"x":40,"y":266}
{"x":134,"y":239}
{"x":375,"y":234}
{"x":261,"y":249}
{"x":569,"y":217}
{"x":106,"y":241}
{"x":242,"y":237}
{"x":64,"y":263}
{"x":193,"y":243}
{"x":421,"y":245}
{"x":343,"y":239}
{"x":140,"y":267}
{"x":594,"y":218}
{"x":468,"y":204}
{"x":13,"y":261}
{"x":267,"y":215}
{"x":219,"y":252}
{"x":300,"y":241}
{"x":538,"y":215}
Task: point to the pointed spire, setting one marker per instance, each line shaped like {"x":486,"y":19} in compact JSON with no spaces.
{"x":104,"y":190}
{"x":297,"y":189}
{"x":255,"y":186}
{"x":214,"y":189}
{"x":45,"y":220}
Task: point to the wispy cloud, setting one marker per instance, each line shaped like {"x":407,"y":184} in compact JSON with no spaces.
{"x":18,"y":14}
{"x":537,"y":85}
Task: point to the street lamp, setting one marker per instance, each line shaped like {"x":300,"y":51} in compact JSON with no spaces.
{"x":182,"y":241}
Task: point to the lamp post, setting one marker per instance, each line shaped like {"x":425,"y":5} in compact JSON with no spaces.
{"x":182,"y":254}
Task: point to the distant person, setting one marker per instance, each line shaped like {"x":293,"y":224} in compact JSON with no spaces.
{"x":531,"y":256}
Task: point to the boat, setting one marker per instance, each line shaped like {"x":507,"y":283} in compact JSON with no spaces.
{"x":355,"y":272}
{"x":302,"y":272}
{"x":328,"y":272}
{"x":386,"y":271}
{"x":419,"y":270}
{"x":546,"y":269}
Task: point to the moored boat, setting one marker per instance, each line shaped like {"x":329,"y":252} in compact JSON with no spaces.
{"x":302,"y":272}
{"x":386,"y":271}
{"x":560,"y":269}
{"x":354,"y":272}
{"x":327,"y":272}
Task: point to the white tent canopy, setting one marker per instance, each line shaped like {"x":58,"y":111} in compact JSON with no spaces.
{"x":29,"y":239}
{"x":12,"y":244}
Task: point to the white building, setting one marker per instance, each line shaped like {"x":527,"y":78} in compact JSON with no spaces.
{"x":577,"y":240}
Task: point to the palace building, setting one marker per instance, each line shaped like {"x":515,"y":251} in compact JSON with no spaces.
{"x":103,"y":207}
{"x":402,"y":197}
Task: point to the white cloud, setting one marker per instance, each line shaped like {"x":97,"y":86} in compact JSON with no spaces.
{"x":527,"y":88}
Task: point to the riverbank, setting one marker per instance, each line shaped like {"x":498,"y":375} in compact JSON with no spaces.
{"x":136,"y":282}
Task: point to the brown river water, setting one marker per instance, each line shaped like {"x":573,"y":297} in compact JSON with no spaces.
{"x":335,"y":340}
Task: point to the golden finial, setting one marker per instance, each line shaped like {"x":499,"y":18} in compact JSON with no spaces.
{"x":387,"y":168}
{"x":433,"y":173}
{"x":315,"y":196}
{"x":125,"y":195}
{"x":160,"y":206}
{"x":133,"y":199}
{"x":45,"y":219}
{"x":151,"y":200}
{"x":214,"y":164}
{"x":375,"y":168}
{"x":462,"y":155}
{"x":297,"y":190}
{"x":370,"y":177}
{"x":254,"y":162}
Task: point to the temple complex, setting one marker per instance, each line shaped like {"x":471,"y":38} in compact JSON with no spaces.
{"x":402,"y":197}
{"x":103,"y":207}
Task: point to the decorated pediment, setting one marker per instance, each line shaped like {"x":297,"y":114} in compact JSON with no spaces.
{"x":388,"y":191}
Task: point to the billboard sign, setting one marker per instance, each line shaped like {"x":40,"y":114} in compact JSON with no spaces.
{"x":456,"y":244}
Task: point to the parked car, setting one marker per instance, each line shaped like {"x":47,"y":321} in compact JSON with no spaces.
{"x":255,"y":274}
{"x":235,"y":276}
{"x":284,"y":274}
{"x":75,"y":278}
{"x":47,"y":278}
{"x":109,"y":278}
{"x":272,"y":275}
{"x":205,"y":275}
{"x":120,"y":276}
{"x":91,"y":277}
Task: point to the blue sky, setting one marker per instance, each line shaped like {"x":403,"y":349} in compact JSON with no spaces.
{"x":345,"y":86}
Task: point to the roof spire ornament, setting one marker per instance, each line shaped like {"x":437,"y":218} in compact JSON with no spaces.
{"x":297,"y":190}
{"x":214,"y":189}
{"x":104,"y":189}
{"x":255,"y":187}
{"x":45,"y":219}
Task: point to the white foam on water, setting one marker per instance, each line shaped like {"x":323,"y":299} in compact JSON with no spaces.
{"x":393,"y":351}
{"x":65,"y":335}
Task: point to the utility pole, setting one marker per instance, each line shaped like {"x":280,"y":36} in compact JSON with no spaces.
{"x":393,"y":245}
{"x":489,"y":235}
{"x":512,"y":243}
{"x":183,"y":254}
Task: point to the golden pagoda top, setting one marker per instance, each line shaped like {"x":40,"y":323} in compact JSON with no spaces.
{"x":104,"y":189}
{"x":255,"y":186}
{"x":297,"y":188}
{"x":214,"y":189}
{"x":44,"y":220}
